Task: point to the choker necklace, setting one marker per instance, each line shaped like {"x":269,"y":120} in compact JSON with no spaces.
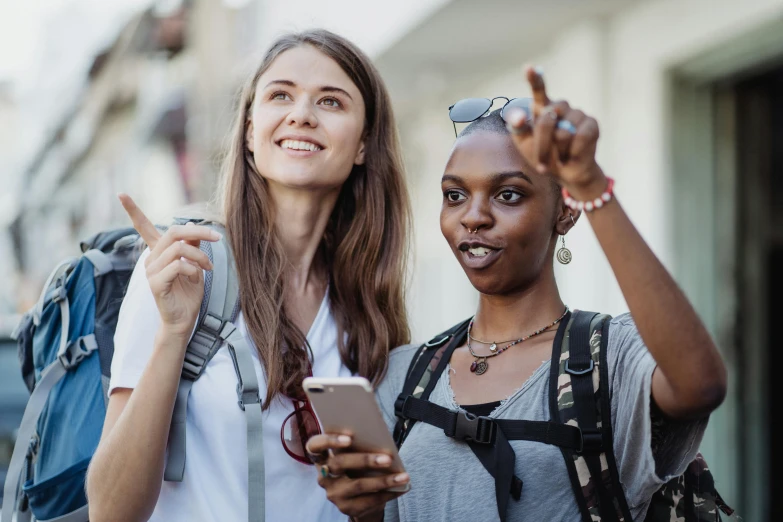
{"x":480,"y":365}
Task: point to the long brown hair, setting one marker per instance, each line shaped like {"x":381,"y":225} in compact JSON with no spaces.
{"x":365,"y":244}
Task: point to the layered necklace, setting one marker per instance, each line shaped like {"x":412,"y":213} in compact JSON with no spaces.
{"x":479,"y":366}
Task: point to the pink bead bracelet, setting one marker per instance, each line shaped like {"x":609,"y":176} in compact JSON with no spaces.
{"x":589,"y":206}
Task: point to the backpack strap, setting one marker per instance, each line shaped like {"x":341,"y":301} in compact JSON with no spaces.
{"x":215,"y":326}
{"x":579,"y":396}
{"x":430,"y":360}
{"x":488,"y":438}
{"x":217,"y":310}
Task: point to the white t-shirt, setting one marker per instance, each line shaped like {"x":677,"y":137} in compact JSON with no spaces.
{"x":214,"y":486}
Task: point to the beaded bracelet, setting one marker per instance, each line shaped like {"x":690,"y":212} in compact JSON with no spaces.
{"x":589,"y":206}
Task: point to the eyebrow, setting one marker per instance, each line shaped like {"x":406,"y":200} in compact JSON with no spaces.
{"x":324,"y":88}
{"x":500,"y":176}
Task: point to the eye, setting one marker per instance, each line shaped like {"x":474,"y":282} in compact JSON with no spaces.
{"x":280,"y":96}
{"x":454,"y":196}
{"x":331,"y":102}
{"x":509,"y":196}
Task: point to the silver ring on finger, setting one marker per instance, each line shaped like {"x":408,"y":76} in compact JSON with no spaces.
{"x":566,"y":126}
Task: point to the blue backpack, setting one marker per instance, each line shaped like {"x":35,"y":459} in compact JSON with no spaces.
{"x":66,"y":344}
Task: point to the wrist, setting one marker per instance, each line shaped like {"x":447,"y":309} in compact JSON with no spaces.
{"x":590,"y":187}
{"x":590,"y":199}
{"x":172,"y":337}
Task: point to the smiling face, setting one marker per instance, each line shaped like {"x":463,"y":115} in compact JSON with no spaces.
{"x":306,"y":122}
{"x":499,"y":215}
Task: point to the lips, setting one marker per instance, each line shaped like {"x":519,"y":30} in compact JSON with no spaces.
{"x":299,"y":146}
{"x":478,"y":255}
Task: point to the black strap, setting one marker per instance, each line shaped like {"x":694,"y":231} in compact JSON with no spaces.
{"x":580,"y":365}
{"x":489,"y":440}
{"x":416,"y":370}
{"x":483,"y":430}
{"x":606,"y":426}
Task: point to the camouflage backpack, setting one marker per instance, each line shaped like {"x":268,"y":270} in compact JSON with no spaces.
{"x":581,"y":428}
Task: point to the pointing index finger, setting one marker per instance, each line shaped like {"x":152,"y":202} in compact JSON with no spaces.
{"x":141,"y":223}
{"x":535,"y":76}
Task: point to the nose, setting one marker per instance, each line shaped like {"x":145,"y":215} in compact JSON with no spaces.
{"x":477,"y":215}
{"x":302,"y":114}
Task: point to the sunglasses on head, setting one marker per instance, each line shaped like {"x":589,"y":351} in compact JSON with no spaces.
{"x":298,"y":427}
{"x":471,"y":109}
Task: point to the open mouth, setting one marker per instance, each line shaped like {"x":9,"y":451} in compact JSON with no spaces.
{"x":480,"y":251}
{"x":299,"y":145}
{"x":475,"y":255}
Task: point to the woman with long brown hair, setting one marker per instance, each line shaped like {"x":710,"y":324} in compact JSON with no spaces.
{"x":316,"y":213}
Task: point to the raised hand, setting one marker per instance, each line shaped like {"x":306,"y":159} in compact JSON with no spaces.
{"x":174,"y":267}
{"x":558,"y":139}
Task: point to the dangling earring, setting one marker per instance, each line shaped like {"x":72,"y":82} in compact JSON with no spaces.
{"x":563,"y":255}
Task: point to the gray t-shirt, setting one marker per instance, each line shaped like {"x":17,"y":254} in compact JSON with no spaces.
{"x":448,"y":483}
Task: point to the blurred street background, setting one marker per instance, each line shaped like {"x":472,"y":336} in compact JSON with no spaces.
{"x":98,"y":97}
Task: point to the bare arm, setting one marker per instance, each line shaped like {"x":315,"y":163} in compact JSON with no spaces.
{"x":126,"y":472}
{"x":690,"y":380}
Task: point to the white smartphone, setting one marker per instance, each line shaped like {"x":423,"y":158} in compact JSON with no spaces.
{"x":347,"y":405}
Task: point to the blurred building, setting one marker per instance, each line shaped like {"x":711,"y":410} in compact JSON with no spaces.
{"x":687,"y":92}
{"x":148,"y":119}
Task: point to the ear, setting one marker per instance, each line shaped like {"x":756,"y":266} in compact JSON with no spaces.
{"x":360,"y":155}
{"x":566,"y":219}
{"x":249,"y":135}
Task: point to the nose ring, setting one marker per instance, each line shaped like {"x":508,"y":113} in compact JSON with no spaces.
{"x":472,"y":231}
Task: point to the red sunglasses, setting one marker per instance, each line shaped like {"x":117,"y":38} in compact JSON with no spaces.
{"x":298,"y":427}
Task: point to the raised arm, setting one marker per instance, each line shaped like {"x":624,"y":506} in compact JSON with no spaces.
{"x":126,"y":472}
{"x":690,"y":378}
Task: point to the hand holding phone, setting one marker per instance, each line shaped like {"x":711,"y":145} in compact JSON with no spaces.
{"x":361,"y":469}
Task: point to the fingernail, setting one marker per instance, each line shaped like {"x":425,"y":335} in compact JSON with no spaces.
{"x":189,"y":223}
{"x":539,"y":70}
{"x":217,"y":235}
{"x":344,"y":439}
{"x":383,"y":460}
{"x":402,"y":477}
{"x":516,"y":117}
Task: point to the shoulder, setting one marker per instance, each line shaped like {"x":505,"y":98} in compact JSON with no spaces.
{"x":391,"y":386}
{"x":623,"y":331}
{"x":398,"y":363}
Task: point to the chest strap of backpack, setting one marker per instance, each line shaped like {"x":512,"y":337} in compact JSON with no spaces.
{"x":579,"y":396}
{"x":488,"y":438}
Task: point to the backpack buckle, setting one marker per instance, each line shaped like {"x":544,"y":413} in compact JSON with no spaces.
{"x":591,"y":442}
{"x":437,"y":342}
{"x":76,"y":352}
{"x":399,"y":406}
{"x":579,"y":371}
{"x":470,"y":428}
{"x":60,"y":293}
{"x":245,"y":397}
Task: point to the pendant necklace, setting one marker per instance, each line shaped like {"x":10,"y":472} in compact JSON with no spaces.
{"x":480,"y":365}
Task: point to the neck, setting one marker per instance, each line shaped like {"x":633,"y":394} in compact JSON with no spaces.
{"x":301,"y":228}
{"x":514,"y":315}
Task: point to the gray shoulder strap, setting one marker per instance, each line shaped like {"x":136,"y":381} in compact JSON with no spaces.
{"x":221,"y":292}
{"x":250,"y":402}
